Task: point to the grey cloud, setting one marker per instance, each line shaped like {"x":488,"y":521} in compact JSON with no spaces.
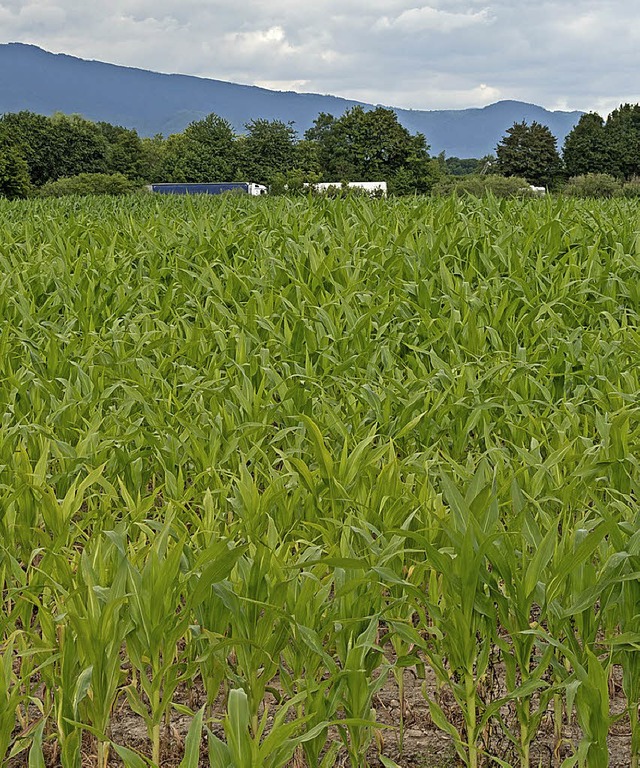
{"x":426,"y":54}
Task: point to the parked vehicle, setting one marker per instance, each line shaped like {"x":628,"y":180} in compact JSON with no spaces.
{"x":209,"y":188}
{"x":374,"y":188}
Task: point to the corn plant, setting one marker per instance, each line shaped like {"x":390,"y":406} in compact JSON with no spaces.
{"x":463,"y":619}
{"x":210,"y":601}
{"x":156,"y":593}
{"x":520,"y":558}
{"x":259,"y":630}
{"x":416,"y":412}
{"x":357,"y":688}
{"x":96,"y":616}
{"x":246,"y":748}
{"x":11,"y":696}
{"x":307,"y":665}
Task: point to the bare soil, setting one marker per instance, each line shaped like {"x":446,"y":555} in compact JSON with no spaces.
{"x":424,"y":745}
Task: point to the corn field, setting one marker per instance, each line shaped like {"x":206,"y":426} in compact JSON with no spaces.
{"x":267,"y":464}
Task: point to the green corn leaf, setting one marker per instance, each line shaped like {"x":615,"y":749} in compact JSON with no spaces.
{"x":191,"y":757}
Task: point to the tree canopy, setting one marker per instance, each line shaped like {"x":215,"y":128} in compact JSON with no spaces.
{"x":371,"y":145}
{"x":529,"y":151}
{"x":596,"y":146}
{"x":585,"y":148}
{"x":14,"y":174}
{"x":267,"y":148}
{"x":622,"y":134}
{"x":204,"y":151}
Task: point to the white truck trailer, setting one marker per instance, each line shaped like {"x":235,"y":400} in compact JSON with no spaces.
{"x":374,"y":188}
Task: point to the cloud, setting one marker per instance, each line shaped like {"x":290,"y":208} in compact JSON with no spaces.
{"x":272,"y":41}
{"x":448,"y":53}
{"x":428,"y":19}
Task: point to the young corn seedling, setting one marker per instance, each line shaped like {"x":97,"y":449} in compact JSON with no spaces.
{"x":270,"y":747}
{"x":97,"y":618}
{"x":57,"y":655}
{"x":462,"y":614}
{"x":357,"y":687}
{"x":574,"y":573}
{"x":627,"y":646}
{"x":587,"y":687}
{"x":11,"y":696}
{"x":159,"y":621}
{"x":191,"y":758}
{"x":306,"y":665}
{"x":520,"y":558}
{"x":209,"y":600}
{"x":259,"y":626}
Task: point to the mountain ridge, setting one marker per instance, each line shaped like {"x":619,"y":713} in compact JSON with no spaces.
{"x":157,"y":102}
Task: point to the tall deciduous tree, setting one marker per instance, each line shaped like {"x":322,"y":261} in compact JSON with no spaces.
{"x":203,"y":152}
{"x":266,"y":150}
{"x":372,"y":146}
{"x":125,"y":153}
{"x":30,"y":136}
{"x":80,"y":145}
{"x":529,"y":151}
{"x":14,"y":174}
{"x":60,"y":145}
{"x":153,"y":153}
{"x":622,"y":131}
{"x":585,"y":148}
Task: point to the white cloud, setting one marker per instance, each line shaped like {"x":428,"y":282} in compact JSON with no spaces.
{"x":272,"y":41}
{"x":429,"y":19}
{"x":283,"y":85}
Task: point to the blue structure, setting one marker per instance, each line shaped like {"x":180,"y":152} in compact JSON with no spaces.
{"x":245,"y":187}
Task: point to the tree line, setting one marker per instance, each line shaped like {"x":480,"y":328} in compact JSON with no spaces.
{"x":36,"y":151}
{"x":47,"y":153}
{"x":594,"y":146}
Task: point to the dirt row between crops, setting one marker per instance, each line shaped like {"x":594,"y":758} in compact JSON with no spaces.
{"x":424,"y":745}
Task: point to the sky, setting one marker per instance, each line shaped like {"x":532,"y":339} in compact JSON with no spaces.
{"x":448,"y":54}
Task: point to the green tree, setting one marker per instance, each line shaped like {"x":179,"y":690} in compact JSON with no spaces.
{"x":481,"y":185}
{"x":125,"y":153}
{"x":31,"y":136}
{"x":467,"y":166}
{"x":14,"y":174}
{"x":60,"y":145}
{"x":267,"y":150}
{"x":622,"y":131}
{"x":372,"y":146}
{"x":586,"y":149}
{"x":203,"y":152}
{"x":459,"y":166}
{"x":79,"y":144}
{"x":529,"y":151}
{"x":153,"y":153}
{"x":306,"y":158}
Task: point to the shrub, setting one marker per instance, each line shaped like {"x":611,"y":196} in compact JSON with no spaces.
{"x":14,"y":175}
{"x":499,"y":186}
{"x":593,"y":185}
{"x":632,"y":187}
{"x":293,"y":182}
{"x":90,"y":184}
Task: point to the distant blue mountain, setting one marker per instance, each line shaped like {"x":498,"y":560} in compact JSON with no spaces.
{"x":43,"y":82}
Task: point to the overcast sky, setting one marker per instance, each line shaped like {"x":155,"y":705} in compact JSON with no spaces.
{"x":561,"y":54}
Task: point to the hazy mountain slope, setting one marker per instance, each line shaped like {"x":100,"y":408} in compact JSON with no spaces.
{"x":42,"y":82}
